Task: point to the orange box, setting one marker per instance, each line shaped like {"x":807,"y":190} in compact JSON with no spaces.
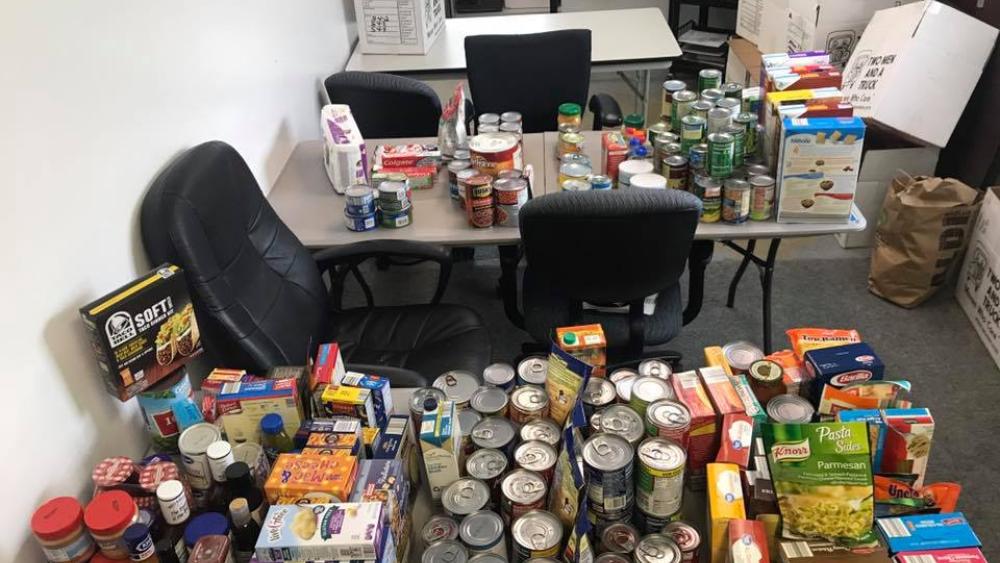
{"x":721,"y":391}
{"x":704,"y":437}
{"x":311,"y":479}
{"x":587,"y":343}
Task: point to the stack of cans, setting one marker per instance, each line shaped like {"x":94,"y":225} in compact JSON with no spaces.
{"x":395,"y":209}
{"x":360,"y":213}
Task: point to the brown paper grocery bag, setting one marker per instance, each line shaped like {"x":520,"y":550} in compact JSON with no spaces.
{"x":921,"y":233}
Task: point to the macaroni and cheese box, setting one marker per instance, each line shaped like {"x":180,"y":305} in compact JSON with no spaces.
{"x":704,"y":435}
{"x":725,"y":503}
{"x":841,"y":366}
{"x":345,"y":441}
{"x":927,"y":531}
{"x":354,"y":402}
{"x":242,"y":405}
{"x":380,"y":392}
{"x":326,"y":531}
{"x":311,"y":479}
{"x":333,"y":425}
{"x":143,"y":332}
{"x":957,"y":555}
{"x":395,"y":441}
{"x":587,"y":344}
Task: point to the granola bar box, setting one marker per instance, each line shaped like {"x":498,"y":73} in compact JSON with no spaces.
{"x":143,"y":331}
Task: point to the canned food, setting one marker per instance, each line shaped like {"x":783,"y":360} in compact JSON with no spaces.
{"x":488,"y":128}
{"x":670,"y":87}
{"x":536,"y":534}
{"x":732,"y":90}
{"x":790,"y":409}
{"x":492,"y":152}
{"x":622,"y":421}
{"x":511,"y":117}
{"x":646,"y":390}
{"x":482,"y":532}
{"x":417,"y":400}
{"x":569,"y":142}
{"x":478,"y":186}
{"x":613,"y":558}
{"x":739,"y":135}
{"x":659,"y":486}
{"x":650,"y":524}
{"x":669,"y":419}
{"x":598,"y":394}
{"x":740,"y":354}
{"x":608,"y":470}
{"x":766,"y":380}
{"x":701,"y":108}
{"x":532,"y":370}
{"x":757,"y":170}
{"x":439,"y":527}
{"x":511,"y":129}
{"x":620,"y":537}
{"x":507,"y":215}
{"x":681,"y":106}
{"x":575,"y":185}
{"x":488,"y":401}
{"x":631,"y":168}
{"x":711,"y":199}
{"x":359,"y":199}
{"x":193,"y":444}
{"x":514,"y":173}
{"x":698,"y":157}
{"x":458,"y":386}
{"x":712,"y":95}
{"x":621,"y":373}
{"x":761,"y":196}
{"x":657,"y":548}
{"x":527,"y":403}
{"x":687,"y":539}
{"x":542,"y":429}
{"x":655,"y":368}
{"x":649,"y":181}
{"x":253,"y":455}
{"x":454,"y":167}
{"x":360,"y":223}
{"x":601,"y":182}
{"x":390,"y":191}
{"x":709,"y":78}
{"x":752,"y":141}
{"x":656,"y":131}
{"x":495,"y":432}
{"x":574,"y":166}
{"x":730,"y":104}
{"x":675,"y":169}
{"x":623,"y":388}
{"x":692,"y":131}
{"x":445,"y":551}
{"x":465,"y":496}
{"x":736,"y":201}
{"x":718,"y":120}
{"x":720,"y":155}
{"x":537,"y":456}
{"x":397,"y":219}
{"x":511,"y":191}
{"x":499,"y":375}
{"x":489,"y":119}
{"x":467,"y":420}
{"x":522,"y":491}
{"x":487,"y":465}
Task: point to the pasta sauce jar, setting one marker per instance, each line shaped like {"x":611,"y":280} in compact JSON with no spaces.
{"x":58,"y":527}
{"x":107,"y":516}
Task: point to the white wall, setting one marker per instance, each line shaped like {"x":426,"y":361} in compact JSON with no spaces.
{"x":95,"y":97}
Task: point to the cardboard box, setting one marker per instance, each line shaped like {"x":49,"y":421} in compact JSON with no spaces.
{"x":720,"y":390}
{"x":344,"y":156}
{"x":743,"y":62}
{"x":335,"y":425}
{"x":927,"y":531}
{"x":841,"y":366}
{"x":705,"y":421}
{"x":143,"y":332}
{"x":819,"y":551}
{"x":586,"y":343}
{"x":311,"y":479}
{"x":384,"y":481}
{"x":924,"y":55}
{"x":380,"y":392}
{"x":334,"y":532}
{"x":876,"y":432}
{"x":908,"y":437}
{"x":396,"y":27}
{"x":352,"y":402}
{"x":978,"y":288}
{"x":747,"y":542}
{"x":395,"y":441}
{"x":242,"y":405}
{"x":771,"y":118}
{"x":955,"y":555}
{"x":725,"y":503}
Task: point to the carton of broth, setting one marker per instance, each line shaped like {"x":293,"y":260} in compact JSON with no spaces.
{"x":440,"y":443}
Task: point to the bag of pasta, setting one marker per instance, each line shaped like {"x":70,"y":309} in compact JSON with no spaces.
{"x":822,"y":477}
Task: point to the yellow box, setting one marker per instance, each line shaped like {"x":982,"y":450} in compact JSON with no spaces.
{"x":725,"y":503}
{"x":355,"y":402}
{"x":715,"y":358}
{"x":311,"y":479}
{"x":586,"y":342}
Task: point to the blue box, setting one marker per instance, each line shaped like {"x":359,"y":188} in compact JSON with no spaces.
{"x":876,"y":431}
{"x":841,"y":366}
{"x":927,"y":531}
{"x":395,"y":441}
{"x":381,"y":393}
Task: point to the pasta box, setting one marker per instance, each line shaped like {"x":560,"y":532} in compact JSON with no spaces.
{"x":927,"y":531}
{"x":384,"y":481}
{"x":395,"y":441}
{"x":143,"y":331}
{"x":841,"y":366}
{"x":957,"y":555}
{"x":325,"y":532}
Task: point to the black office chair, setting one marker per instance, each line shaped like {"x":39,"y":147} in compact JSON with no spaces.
{"x":259,"y":294}
{"x":533,"y":74}
{"x":611,"y":247}
{"x":386,"y":105}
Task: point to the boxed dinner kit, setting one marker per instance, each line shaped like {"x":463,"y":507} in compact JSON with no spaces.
{"x":324,"y":532}
{"x":143,"y":331}
{"x":242,"y":405}
{"x":384,"y":481}
{"x":395,"y":441}
{"x":311,"y":479}
{"x":381,"y":394}
{"x":354,"y":402}
{"x":927,"y":531}
{"x":953,"y":555}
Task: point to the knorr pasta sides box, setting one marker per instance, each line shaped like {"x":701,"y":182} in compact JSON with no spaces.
{"x":823,"y":479}
{"x":704,"y":435}
{"x":725,"y":503}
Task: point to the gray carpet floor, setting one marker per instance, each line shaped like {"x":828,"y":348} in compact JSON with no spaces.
{"x":934,"y":346}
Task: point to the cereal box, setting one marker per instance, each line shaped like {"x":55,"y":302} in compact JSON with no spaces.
{"x":395,"y":442}
{"x":720,"y":390}
{"x":384,"y":481}
{"x":380,"y":391}
{"x":818,"y":163}
{"x":841,"y":366}
{"x":143,"y":332}
{"x":725,"y":503}
{"x":704,"y":423}
{"x":440,"y":443}
{"x":333,"y":425}
{"x":311,"y":479}
{"x":908,"y":436}
{"x":927,"y":531}
{"x":354,"y":402}
{"x":586,"y":343}
{"x":954,"y":555}
{"x":242,"y":405}
{"x":747,"y":542}
{"x":325,"y":532}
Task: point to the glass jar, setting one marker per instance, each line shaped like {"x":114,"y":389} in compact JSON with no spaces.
{"x":107,"y":516}
{"x":274,"y":439}
{"x":569,"y":142}
{"x":58,"y":527}
{"x":574,"y":167}
{"x":570,"y":117}
{"x":634,"y":121}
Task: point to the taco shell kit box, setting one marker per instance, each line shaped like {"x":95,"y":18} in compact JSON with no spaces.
{"x":143,"y":331}
{"x":978,"y":288}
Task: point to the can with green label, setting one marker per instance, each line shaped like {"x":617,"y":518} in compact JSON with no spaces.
{"x":720,"y":155}
{"x":749,"y":123}
{"x":739,"y":134}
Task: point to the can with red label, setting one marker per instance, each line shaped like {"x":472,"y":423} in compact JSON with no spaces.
{"x":511,"y":191}
{"x":492,"y":153}
{"x":480,"y":212}
{"x":527,"y":403}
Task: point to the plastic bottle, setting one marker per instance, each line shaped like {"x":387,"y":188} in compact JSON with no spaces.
{"x":275,"y":440}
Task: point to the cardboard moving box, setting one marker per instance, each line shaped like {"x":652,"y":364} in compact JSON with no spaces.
{"x":743,"y":62}
{"x":397,"y":27}
{"x":978,"y":288}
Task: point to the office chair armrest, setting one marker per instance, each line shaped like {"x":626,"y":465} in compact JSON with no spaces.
{"x":470,"y":117}
{"x":398,"y":377}
{"x":606,"y":110}
{"x":338,"y":261}
{"x":698,"y":259}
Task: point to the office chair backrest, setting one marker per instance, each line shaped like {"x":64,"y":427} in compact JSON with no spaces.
{"x":609,"y":246}
{"x":531,"y":74}
{"x":385,"y":105}
{"x":256,"y":290}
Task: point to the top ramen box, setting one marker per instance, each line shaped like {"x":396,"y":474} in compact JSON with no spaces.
{"x":841,"y":366}
{"x":927,"y":531}
{"x":143,"y":331}
{"x":956,"y":555}
{"x":324,"y":532}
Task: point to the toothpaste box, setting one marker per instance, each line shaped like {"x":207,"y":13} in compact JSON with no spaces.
{"x":908,"y":437}
{"x":395,"y":441}
{"x":397,"y":156}
{"x":241,"y":405}
{"x":841,"y":366}
{"x":957,"y":555}
{"x":876,"y":432}
{"x":704,"y":435}
{"x":380,"y":391}
{"x":354,"y":402}
{"x":333,"y":425}
{"x":340,"y":531}
{"x":927,"y":531}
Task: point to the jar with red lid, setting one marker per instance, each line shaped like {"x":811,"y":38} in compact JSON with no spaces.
{"x":58,"y":527}
{"x":107,"y":516}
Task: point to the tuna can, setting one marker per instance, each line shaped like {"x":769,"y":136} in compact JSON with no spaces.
{"x":487,"y":465}
{"x":542,"y":429}
{"x":757,"y":170}
{"x":675,"y":169}
{"x":718,"y":120}
{"x":655,"y":368}
{"x":397,"y":219}
{"x":253,"y":455}
{"x":445,"y":551}
{"x":417,"y":400}
{"x":670,"y":87}
{"x":193,"y":443}
{"x":536,"y":534}
{"x":647,"y":390}
{"x":458,"y":386}
{"x":711,"y":199}
{"x":790,"y":409}
{"x":482,"y":532}
{"x":720,"y":155}
{"x":467,"y":420}
{"x":510,"y":191}
{"x":527,"y":403}
{"x":437,"y":528}
{"x":659,"y":486}
{"x":601,"y":182}
{"x":621,"y":373}
{"x":359,"y":200}
{"x":739,"y":136}
{"x":613,"y":558}
{"x":736,"y":201}
{"x":620,"y":537}
{"x":454,"y":167}
{"x":657,"y":548}
{"x":766,"y":380}
{"x":761,"y":197}
{"x":700,"y":109}
{"x":507,"y":215}
{"x":740,"y":354}
{"x":608,"y":469}
{"x":521,"y":491}
{"x":360,"y":223}
{"x":492,"y":152}
{"x":730,"y":104}
{"x":598,"y":394}
{"x":465,"y":496}
{"x":698,"y":157}
{"x":575,"y":185}
{"x":669,"y":419}
{"x":499,"y":375}
{"x":711,"y":95}
{"x":623,"y":388}
{"x":681,"y":106}
{"x":537,"y":456}
{"x":692,"y":131}
{"x":709,"y":78}
{"x":390,"y":191}
{"x":732,"y":90}
{"x":749,"y":122}
{"x":532,"y":370}
{"x":496,"y":433}
{"x":622,"y":421}
{"x":489,"y":401}
{"x":650,"y":524}
{"x":687,"y":539}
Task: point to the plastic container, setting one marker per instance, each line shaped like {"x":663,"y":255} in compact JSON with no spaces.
{"x":275,"y":440}
{"x":107,"y":516}
{"x":58,"y":527}
{"x":140,"y":543}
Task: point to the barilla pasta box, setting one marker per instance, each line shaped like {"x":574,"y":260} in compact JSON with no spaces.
{"x":725,"y":503}
{"x":876,"y":432}
{"x":333,"y":425}
{"x":241,"y":405}
{"x":384,"y":481}
{"x":395,"y":441}
{"x":721,"y":391}
{"x":440,"y":442}
{"x":587,"y":344}
{"x":143,"y":331}
{"x":311,"y":479}
{"x":821,"y":551}
{"x":704,"y":424}
{"x":817,"y":168}
{"x":324,"y":532}
{"x":354,"y":402}
{"x":747,"y":542}
{"x":954,"y":555}
{"x":380,"y":391}
{"x":908,"y":437}
{"x":840,"y":366}
{"x":927,"y":531}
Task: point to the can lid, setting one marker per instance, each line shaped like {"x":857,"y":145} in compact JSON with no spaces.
{"x":57,"y":518}
{"x":486,"y":463}
{"x":481,"y":528}
{"x":570,"y":109}
{"x":657,"y":548}
{"x":439,"y":527}
{"x":113,"y":471}
{"x":169,"y":490}
{"x":219,"y":449}
{"x":537,"y":530}
{"x":674,"y":85}
{"x":634,"y":120}
{"x":109,"y":512}
{"x":684,"y":534}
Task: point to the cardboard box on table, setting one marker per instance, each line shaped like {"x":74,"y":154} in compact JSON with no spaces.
{"x":978,"y":288}
{"x":398,"y":27}
{"x":743,"y":62}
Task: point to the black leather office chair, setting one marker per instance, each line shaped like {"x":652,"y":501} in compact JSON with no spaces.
{"x":259,"y":294}
{"x":386,"y":105}
{"x":611,"y":247}
{"x":533,"y":74}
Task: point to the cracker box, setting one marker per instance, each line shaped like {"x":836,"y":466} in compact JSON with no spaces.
{"x":908,"y":437}
{"x":440,"y":442}
{"x":586,"y":343}
{"x":143,"y":331}
{"x":324,"y":532}
{"x":725,"y":503}
{"x":704,"y":435}
{"x":820,"y":551}
{"x":747,"y":542}
{"x":242,"y":405}
{"x":384,"y":481}
{"x":955,"y":555}
{"x":840,"y":366}
{"x":311,"y":479}
{"x":354,"y":402}
{"x":927,"y":531}
{"x":380,"y":391}
{"x":334,"y":425}
{"x":818,"y":163}
{"x":395,"y":441}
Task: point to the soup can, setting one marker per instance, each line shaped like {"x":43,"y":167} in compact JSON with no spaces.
{"x":670,"y":87}
{"x":732,"y":105}
{"x":601,"y":182}
{"x":646,"y":390}
{"x":487,"y":465}
{"x":711,"y":198}
{"x":495,"y":432}
{"x":478,"y":186}
{"x":458,"y":386}
{"x":655,"y":368}
{"x":749,"y":122}
{"x":720,"y":155}
{"x":709,"y":78}
{"x":499,"y":375}
{"x":732,"y":90}
{"x":657,"y":548}
{"x":608,"y":461}
{"x":621,"y":373}
{"x":656,"y":130}
{"x":454,"y":167}
{"x":622,"y":421}
{"x":510,"y":191}
{"x":692,"y":131}
{"x":620,"y":537}
{"x":465,"y":496}
{"x":669,"y":419}
{"x":790,"y":409}
{"x":687,"y":539}
{"x":537,"y":534}
{"x":527,"y":403}
{"x":482,"y":532}
{"x":736,"y":201}
{"x":193,"y":444}
{"x":542,"y":429}
{"x":700,"y":109}
{"x":467,"y":420}
{"x":761,"y":197}
{"x":537,"y":456}
{"x":491,"y":558}
{"x":439,"y":527}
{"x":739,"y":136}
{"x":417,"y":400}
{"x":681,"y":106}
{"x":598,"y":394}
{"x":492,"y":152}
{"x":740,"y":354}
{"x":711,"y":95}
{"x":521,"y":491}
{"x":718,"y":120}
{"x":397,"y":219}
{"x":463,"y":176}
{"x":659,"y":484}
{"x":613,"y":558}
{"x":575,"y":185}
{"x":532,"y":370}
{"x":698,"y":157}
{"x":623,"y":388}
{"x":675,"y":169}
{"x":360,"y":223}
{"x":757,"y":170}
{"x":507,"y":215}
{"x":488,"y":400}
{"x":446,"y":551}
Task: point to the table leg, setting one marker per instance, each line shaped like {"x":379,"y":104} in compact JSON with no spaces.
{"x":766,"y":276}
{"x":747,"y":253}
{"x":510,"y":257}
{"x":641,"y":110}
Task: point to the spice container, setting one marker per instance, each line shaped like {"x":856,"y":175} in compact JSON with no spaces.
{"x":173,"y":502}
{"x":570,"y":117}
{"x":58,"y":528}
{"x":107,"y":516}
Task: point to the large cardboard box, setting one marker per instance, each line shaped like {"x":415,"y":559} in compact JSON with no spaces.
{"x":916,"y":67}
{"x":398,"y":27}
{"x":743,"y":62}
{"x":978,"y":289}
